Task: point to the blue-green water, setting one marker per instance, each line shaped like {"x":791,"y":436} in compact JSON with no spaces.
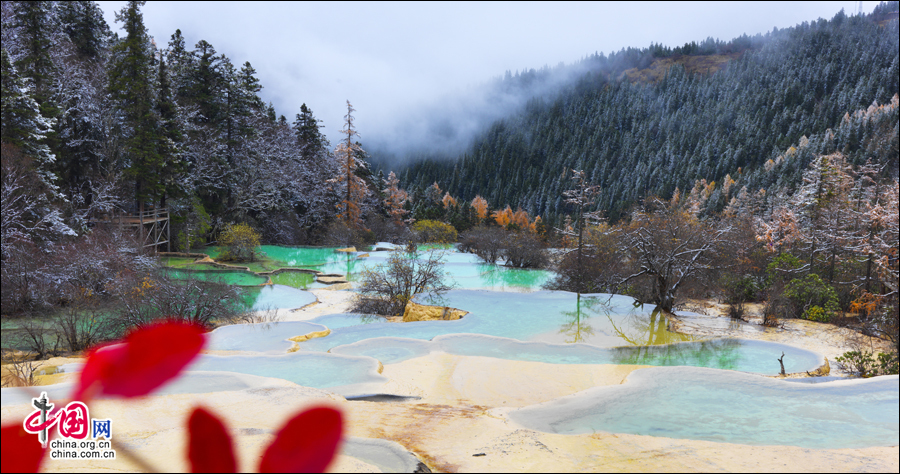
{"x":550,"y":316}
{"x":277,"y":297}
{"x":715,"y":405}
{"x":303,"y":368}
{"x":510,"y":318}
{"x":226,"y":277}
{"x":532,"y":327}
{"x":463,"y":270}
{"x":261,"y":337}
{"x":732,"y":354}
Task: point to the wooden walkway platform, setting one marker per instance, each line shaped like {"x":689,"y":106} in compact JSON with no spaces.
{"x":153,"y":226}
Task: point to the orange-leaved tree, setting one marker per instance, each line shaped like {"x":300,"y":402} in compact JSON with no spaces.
{"x":354,"y":187}
{"x":480,"y":205}
{"x":395,"y":198}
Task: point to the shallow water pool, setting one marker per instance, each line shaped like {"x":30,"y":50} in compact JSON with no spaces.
{"x":732,"y":354}
{"x":315,"y":370}
{"x":277,"y":297}
{"x":548,"y":316}
{"x":226,"y":277}
{"x":715,"y":405}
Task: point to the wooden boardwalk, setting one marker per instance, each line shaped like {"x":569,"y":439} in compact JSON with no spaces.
{"x":152,"y":225}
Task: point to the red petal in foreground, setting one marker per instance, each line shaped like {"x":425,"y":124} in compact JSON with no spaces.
{"x":209,"y":448}
{"x":146,"y":359}
{"x":307,"y":443}
{"x":22,"y":452}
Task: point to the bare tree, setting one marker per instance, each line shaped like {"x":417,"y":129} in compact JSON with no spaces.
{"x":21,"y":372}
{"x":669,"y":247}
{"x":387,"y":288}
{"x":199,"y":302}
{"x":485,"y":242}
{"x":582,"y":196}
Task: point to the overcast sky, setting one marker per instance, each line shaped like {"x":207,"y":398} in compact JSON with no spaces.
{"x":389,"y":59}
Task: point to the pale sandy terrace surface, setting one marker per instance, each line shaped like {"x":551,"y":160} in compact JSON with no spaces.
{"x":459,"y":413}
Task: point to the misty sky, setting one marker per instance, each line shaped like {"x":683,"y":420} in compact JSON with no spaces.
{"x":391,"y":59}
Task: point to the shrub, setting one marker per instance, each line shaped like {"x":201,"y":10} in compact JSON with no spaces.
{"x":862,"y":363}
{"x":520,"y":249}
{"x":339,"y":234}
{"x":203,"y":303}
{"x":485,"y":242}
{"x":857,"y":362}
{"x":780,"y":268}
{"x":738,"y":290}
{"x":240,"y":242}
{"x":812,"y":298}
{"x":592,"y":276}
{"x":436,"y":232}
{"x":388,"y":230}
{"x":524,"y":250}
{"x":387,"y":288}
{"x":889,"y":363}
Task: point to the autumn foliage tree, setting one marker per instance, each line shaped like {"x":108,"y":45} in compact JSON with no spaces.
{"x":395,"y":199}
{"x":240,"y":243}
{"x":480,"y":205}
{"x":354,"y":188}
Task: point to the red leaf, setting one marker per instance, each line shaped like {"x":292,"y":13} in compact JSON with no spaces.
{"x":22,"y":452}
{"x":145,"y":360}
{"x":307,"y":442}
{"x":210,"y":448}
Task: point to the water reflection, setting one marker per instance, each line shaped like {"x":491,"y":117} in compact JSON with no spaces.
{"x":718,"y":353}
{"x":639,"y":329}
{"x":577,"y":328}
{"x":608,"y":320}
{"x":494,"y":276}
{"x":741,"y":355}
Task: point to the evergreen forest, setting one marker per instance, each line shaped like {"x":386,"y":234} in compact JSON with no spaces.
{"x":647,"y":122}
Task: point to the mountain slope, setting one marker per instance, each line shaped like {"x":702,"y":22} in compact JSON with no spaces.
{"x":637,"y":138}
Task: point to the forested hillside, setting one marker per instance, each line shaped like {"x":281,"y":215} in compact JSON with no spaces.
{"x":98,"y":129}
{"x":112,"y":125}
{"x":789,"y":95}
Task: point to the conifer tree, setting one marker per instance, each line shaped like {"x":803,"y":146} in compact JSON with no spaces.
{"x":395,"y":198}
{"x":354,"y":187}
{"x":82,"y":21}
{"x":34,"y":21}
{"x":171,"y":136}
{"x":130,"y":72}
{"x":22,"y":122}
{"x":309,"y":137}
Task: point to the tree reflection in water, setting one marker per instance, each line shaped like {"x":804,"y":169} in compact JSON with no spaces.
{"x":633,"y":327}
{"x":576,"y":326}
{"x":718,"y":353}
{"x":502,"y":277}
{"x":638,"y":329}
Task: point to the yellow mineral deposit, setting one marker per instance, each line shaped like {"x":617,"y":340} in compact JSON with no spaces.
{"x":306,"y":337}
{"x":419,"y":312}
